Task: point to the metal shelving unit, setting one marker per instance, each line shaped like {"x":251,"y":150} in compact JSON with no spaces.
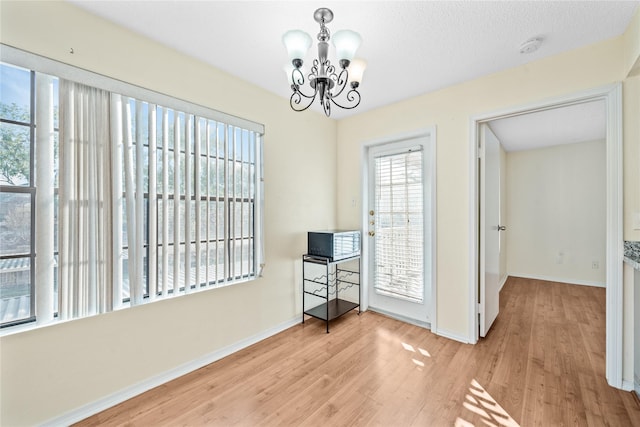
{"x":330,"y":288}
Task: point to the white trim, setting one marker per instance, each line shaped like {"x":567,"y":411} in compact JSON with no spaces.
{"x":404,"y":319}
{"x":474,"y":224}
{"x":453,"y":336}
{"x":615,"y":241}
{"x":502,"y":282}
{"x":99,"y":405}
{"x":627,"y":385}
{"x":612,"y":95}
{"x":429,"y":131}
{"x":556,"y":279}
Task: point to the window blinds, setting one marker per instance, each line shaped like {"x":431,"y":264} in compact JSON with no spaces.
{"x":399,"y":232}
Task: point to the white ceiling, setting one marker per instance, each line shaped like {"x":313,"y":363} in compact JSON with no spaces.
{"x":411,"y":47}
{"x":563,"y":125}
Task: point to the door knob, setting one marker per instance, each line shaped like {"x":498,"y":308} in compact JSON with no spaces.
{"x":372,"y":233}
{"x":371,"y":212}
{"x":502,"y":228}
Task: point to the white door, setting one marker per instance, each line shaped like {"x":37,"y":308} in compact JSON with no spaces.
{"x":400,"y":229}
{"x":489,"y":228}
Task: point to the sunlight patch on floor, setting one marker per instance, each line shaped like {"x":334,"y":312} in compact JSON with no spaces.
{"x":423,"y":352}
{"x":417,"y":362}
{"x":480,"y":402}
{"x":408,"y":347}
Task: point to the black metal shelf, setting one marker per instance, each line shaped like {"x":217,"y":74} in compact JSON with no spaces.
{"x":336,"y":306}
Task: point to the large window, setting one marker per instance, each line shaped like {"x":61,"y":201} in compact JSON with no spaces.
{"x":17,"y":193}
{"x":152,"y":199}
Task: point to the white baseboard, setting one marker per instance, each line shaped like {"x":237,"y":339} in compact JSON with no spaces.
{"x":107,"y":402}
{"x":427,"y":325}
{"x":555,"y":279}
{"x":502,"y":282}
{"x":409,"y":320}
{"x":451,"y":336}
{"x":627,"y":385}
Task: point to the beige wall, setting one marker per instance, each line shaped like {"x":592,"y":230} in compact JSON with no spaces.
{"x":557,"y":213}
{"x":47,"y":372}
{"x":631,"y":69}
{"x":631,"y":157}
{"x":632,"y":46}
{"x":450,"y":110}
{"x":50,"y":371}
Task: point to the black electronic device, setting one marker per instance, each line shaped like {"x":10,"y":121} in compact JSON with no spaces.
{"x":334,"y":244}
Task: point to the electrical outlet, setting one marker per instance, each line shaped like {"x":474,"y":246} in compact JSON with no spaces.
{"x":595,"y":265}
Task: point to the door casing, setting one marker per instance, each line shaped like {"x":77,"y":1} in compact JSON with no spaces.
{"x":430,"y":156}
{"x":612,"y":96}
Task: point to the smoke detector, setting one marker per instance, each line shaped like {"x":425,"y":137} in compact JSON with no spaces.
{"x":531,"y":45}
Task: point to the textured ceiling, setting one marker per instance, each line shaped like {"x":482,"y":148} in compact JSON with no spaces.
{"x":563,"y":125}
{"x":411,"y":47}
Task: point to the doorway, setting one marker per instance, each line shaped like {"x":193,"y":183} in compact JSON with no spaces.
{"x":611,"y":95}
{"x":399,"y":227}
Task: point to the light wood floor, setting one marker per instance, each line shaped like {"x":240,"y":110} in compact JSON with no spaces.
{"x":542,"y":364}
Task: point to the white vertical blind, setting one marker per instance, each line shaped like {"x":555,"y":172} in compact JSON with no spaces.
{"x":138,"y":285}
{"x":117,"y":196}
{"x":153,"y":201}
{"x":176,"y":202}
{"x":165,"y":202}
{"x":44,"y":198}
{"x":188,"y":178}
{"x":226,"y":208}
{"x":209,"y":213}
{"x":399,"y":230}
{"x":198,"y":199}
{"x":85,"y":227}
{"x":152,"y":238}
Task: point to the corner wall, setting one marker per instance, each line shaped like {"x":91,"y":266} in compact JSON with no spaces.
{"x":50,"y":371}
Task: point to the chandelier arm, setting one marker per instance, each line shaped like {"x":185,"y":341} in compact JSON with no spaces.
{"x":296,"y":90}
{"x":296,"y":100}
{"x":352,"y":96}
{"x":341,"y":81}
{"x":297,"y":77}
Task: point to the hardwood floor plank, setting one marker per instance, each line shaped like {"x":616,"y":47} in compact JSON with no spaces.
{"x":542,"y":364}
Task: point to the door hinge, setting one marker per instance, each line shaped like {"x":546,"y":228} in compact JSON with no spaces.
{"x":479,"y":308}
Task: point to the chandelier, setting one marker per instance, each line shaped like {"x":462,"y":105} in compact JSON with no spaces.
{"x":326,"y":83}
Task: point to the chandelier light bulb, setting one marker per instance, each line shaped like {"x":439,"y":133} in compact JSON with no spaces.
{"x":356,"y":70}
{"x":297,"y":43}
{"x":346,"y":43}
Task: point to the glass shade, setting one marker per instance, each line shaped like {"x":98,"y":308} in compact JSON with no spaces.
{"x":346,"y":43}
{"x":297,"y":43}
{"x":356,"y":70}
